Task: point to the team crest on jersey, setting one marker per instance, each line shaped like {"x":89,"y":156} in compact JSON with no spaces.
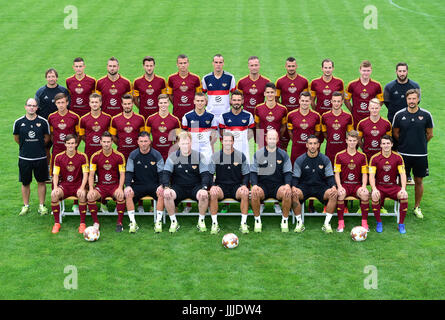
{"x":327,"y":91}
{"x":224,"y":84}
{"x":304,"y":125}
{"x":128,"y":129}
{"x":336,"y":126}
{"x":152,"y":163}
{"x":253,"y":90}
{"x":420,"y":117}
{"x":96,"y":127}
{"x":364,"y":95}
{"x":375,"y":132}
{"x":292,"y":89}
{"x":351,"y":165}
{"x":270,"y":118}
{"x":113,"y":91}
{"x":279,"y":161}
{"x":386,"y":167}
{"x":194,"y":167}
{"x":38,"y":124}
{"x":62,"y":125}
{"x":79,"y":90}
{"x":183,"y":88}
{"x":207,"y":121}
{"x":244,"y":121}
{"x":236,"y":164}
{"x":162,"y":129}
{"x":321,"y":166}
{"x":70,"y":168}
{"x":107,"y":166}
{"x":149,"y":91}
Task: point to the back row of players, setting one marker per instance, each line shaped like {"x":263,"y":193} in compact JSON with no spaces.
{"x":300,"y":123}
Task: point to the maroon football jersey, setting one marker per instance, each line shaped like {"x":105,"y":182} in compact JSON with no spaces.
{"x":351,"y":167}
{"x":92,"y":128}
{"x":385,"y":169}
{"x":127,"y":131}
{"x":361,"y":95}
{"x":80,"y":91}
{"x":60,"y":126}
{"x":270,"y":118}
{"x":183,"y":91}
{"x":372,"y":132}
{"x":107,"y":168}
{"x":253,"y":92}
{"x":71,"y":169}
{"x":336,"y":128}
{"x":322,"y":91}
{"x":161,"y":132}
{"x":302,"y":127}
{"x":111,"y":92}
{"x":289,"y":90}
{"x":148,"y":92}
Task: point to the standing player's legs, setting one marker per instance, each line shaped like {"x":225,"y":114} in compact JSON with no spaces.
{"x":420,"y":170}
{"x":258,"y":194}
{"x":284,"y":194}
{"x":297,"y":199}
{"x":41,"y":175}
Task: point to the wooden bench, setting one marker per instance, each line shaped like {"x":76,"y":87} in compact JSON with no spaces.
{"x":395,"y":213}
{"x":63,"y":211}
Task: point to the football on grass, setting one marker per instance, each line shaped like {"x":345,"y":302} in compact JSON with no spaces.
{"x":230,"y":241}
{"x":359,"y":233}
{"x":91,"y":234}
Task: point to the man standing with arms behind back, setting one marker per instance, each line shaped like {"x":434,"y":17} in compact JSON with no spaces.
{"x":413,"y":127}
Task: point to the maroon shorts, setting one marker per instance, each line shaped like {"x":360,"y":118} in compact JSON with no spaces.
{"x":106,"y":190}
{"x":69,"y":189}
{"x":389,"y":191}
{"x":351,"y":189}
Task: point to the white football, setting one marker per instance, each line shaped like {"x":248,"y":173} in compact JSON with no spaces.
{"x":230,"y":241}
{"x":359,"y":233}
{"x":91,"y":234}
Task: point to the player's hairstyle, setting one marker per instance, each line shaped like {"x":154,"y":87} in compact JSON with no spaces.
{"x":148,"y":58}
{"x":78,"y":59}
{"x":200,"y":94}
{"x":402,"y":64}
{"x":327,"y":60}
{"x":126,"y":96}
{"x":60,"y":96}
{"x":253,"y":58}
{"x":338,"y":94}
{"x":184,"y":135}
{"x":70,"y":136}
{"x":114,"y":59}
{"x":312,"y":136}
{"x":365,"y":64}
{"x":270,"y":85}
{"x":352,"y":134}
{"x":305,"y":94}
{"x":217,"y":56}
{"x":144,"y":134}
{"x":374,"y":100}
{"x":95,"y":95}
{"x":291,"y":59}
{"x":237,"y":93}
{"x":182,"y":56}
{"x":51,"y":70}
{"x":228,"y":134}
{"x":37,"y":104}
{"x":163,"y":96}
{"x":106,"y":134}
{"x":412,"y":91}
{"x":387,"y":137}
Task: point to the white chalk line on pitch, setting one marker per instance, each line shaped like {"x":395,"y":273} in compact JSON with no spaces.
{"x":412,"y":11}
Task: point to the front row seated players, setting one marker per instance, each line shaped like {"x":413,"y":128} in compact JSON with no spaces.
{"x":232,"y":180}
{"x":142,"y":178}
{"x":186,"y":175}
{"x":70,"y":177}
{"x":383,"y":170}
{"x":271,"y":177}
{"x":313,"y":177}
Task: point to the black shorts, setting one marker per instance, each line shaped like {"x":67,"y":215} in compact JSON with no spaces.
{"x":419,"y":166}
{"x":270,"y":190}
{"x":184,"y":192}
{"x":229,"y":190}
{"x":27,"y":167}
{"x":313,"y":191}
{"x":141,"y":191}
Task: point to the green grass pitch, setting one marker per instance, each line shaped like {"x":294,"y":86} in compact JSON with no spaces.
{"x":189,"y":265}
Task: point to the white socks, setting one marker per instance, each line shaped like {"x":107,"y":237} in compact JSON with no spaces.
{"x":284,"y":220}
{"x":258,"y":219}
{"x":214,"y":219}
{"x":131,"y":216}
{"x":173,"y":218}
{"x":159,"y":215}
{"x":328,"y":218}
{"x":243,"y":218}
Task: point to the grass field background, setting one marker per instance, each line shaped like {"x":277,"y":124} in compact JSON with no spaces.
{"x":189,"y":265}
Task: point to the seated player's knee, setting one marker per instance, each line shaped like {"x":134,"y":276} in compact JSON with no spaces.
{"x":341,"y":195}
